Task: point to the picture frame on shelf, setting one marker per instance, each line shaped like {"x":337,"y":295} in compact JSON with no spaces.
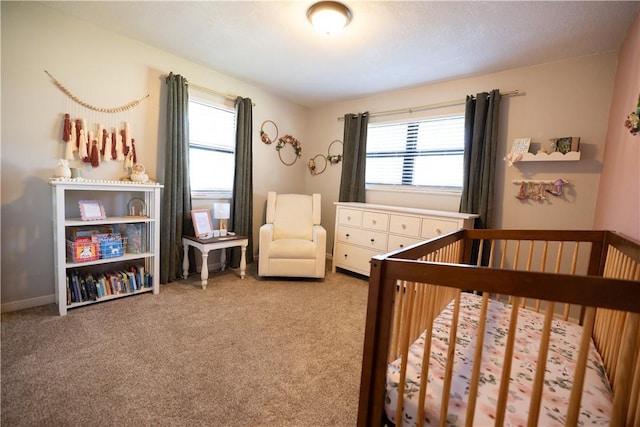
{"x":202,"y":223}
{"x":91,"y":210}
{"x":520,"y":145}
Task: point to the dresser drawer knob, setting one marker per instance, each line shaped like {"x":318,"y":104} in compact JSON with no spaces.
{"x":402,"y":246}
{"x":373,"y":240}
{"x":348,"y":218}
{"x":347,"y":235}
{"x":438,"y":231}
{"x":404,"y":226}
{"x":373,"y":221}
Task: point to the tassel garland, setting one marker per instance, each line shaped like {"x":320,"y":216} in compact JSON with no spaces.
{"x":104,"y":145}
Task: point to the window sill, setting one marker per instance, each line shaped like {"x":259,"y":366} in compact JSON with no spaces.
{"x":439,"y":191}
{"x":196,"y":195}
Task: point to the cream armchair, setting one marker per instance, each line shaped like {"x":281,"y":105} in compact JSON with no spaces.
{"x":292,"y":241}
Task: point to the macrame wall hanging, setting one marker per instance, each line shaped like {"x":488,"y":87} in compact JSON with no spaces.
{"x":96,"y":134}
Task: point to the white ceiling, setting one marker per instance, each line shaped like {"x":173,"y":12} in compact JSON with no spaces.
{"x":388,"y":45}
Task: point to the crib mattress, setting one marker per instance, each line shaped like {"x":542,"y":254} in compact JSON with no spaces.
{"x":563,"y":350}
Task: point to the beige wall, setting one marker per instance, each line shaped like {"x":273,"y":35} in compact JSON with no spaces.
{"x":618,"y":204}
{"x":568,"y":98}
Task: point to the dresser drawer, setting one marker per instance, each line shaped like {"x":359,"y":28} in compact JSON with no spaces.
{"x":367,"y":238}
{"x":399,"y":242}
{"x":353,"y":258}
{"x":406,"y":225}
{"x":350,"y":217}
{"x":435,"y":227}
{"x":375,"y":220}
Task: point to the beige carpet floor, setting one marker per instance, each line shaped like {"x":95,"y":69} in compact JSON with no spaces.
{"x":250,"y":352}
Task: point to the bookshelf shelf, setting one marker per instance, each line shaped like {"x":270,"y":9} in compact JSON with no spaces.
{"x":141,"y":261}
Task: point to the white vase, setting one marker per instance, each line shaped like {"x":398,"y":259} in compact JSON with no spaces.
{"x":63,"y":170}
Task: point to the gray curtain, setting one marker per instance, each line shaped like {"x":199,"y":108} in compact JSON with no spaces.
{"x":176,"y":200}
{"x":354,"y":157}
{"x":242,"y":202}
{"x":480,"y":147}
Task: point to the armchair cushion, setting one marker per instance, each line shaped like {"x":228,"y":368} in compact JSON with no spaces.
{"x":292,"y":217}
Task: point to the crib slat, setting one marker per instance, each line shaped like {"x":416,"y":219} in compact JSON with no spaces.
{"x":543,"y":265}
{"x":477,"y":359}
{"x":404,"y":345}
{"x":574,"y":263}
{"x":426,"y":355}
{"x":451,"y":352}
{"x":623,"y":384}
{"x":397,"y":311}
{"x":503,"y":394}
{"x":633,"y":415}
{"x":538,"y":382}
{"x":573,"y":411}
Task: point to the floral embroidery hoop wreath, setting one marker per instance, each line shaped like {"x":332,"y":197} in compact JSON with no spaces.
{"x":333,"y":158}
{"x":313,"y":166}
{"x":264,"y":136}
{"x":288,"y":139}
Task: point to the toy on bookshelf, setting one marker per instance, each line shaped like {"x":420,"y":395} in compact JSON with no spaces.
{"x":136,"y":208}
{"x":83,"y":249}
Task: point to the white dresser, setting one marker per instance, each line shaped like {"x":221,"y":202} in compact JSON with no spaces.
{"x":364,"y":230}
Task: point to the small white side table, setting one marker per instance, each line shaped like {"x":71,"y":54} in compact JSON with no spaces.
{"x":206,"y":245}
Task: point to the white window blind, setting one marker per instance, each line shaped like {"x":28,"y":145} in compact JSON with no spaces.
{"x":416,"y":153}
{"x":212,"y":130}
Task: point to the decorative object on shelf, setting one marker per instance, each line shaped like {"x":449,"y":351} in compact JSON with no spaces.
{"x":92,"y":107}
{"x":264,"y":136}
{"x":536,"y":189}
{"x":519,"y":147}
{"x":138,"y":173}
{"x":334,"y":159}
{"x":564,"y":144}
{"x":63,"y":170}
{"x":202,"y":224}
{"x":133,"y":233}
{"x":76,"y":173}
{"x":288,"y":139}
{"x":221,"y":212}
{"x":313,"y":165}
{"x":91,"y":210}
{"x":511,"y":158}
{"x":136,"y":208}
{"x":633,"y":120}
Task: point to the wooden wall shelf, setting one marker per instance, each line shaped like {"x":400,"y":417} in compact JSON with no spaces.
{"x":552,"y":157}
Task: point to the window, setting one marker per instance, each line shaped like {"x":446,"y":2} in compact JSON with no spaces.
{"x":416,"y":153}
{"x":212,"y":130}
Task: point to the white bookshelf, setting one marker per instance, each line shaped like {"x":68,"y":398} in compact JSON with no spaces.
{"x":113,"y":194}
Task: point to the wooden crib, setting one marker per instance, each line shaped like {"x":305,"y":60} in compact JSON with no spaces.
{"x":585,"y":281}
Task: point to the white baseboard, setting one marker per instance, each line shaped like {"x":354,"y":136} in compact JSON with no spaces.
{"x":28,"y":303}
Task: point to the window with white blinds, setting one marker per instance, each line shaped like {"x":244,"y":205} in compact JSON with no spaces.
{"x":416,"y":153}
{"x":212,"y":130}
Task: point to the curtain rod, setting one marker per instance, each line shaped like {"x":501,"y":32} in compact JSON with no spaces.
{"x":215,"y":92}
{"x":430,"y":106}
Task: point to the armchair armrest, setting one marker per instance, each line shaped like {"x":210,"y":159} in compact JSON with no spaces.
{"x":320,"y":238}
{"x":266,"y":236}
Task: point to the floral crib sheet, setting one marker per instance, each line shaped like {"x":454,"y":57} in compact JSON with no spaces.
{"x":563,"y":350}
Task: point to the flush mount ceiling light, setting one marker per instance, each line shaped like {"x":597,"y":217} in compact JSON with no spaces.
{"x":329,"y":17}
